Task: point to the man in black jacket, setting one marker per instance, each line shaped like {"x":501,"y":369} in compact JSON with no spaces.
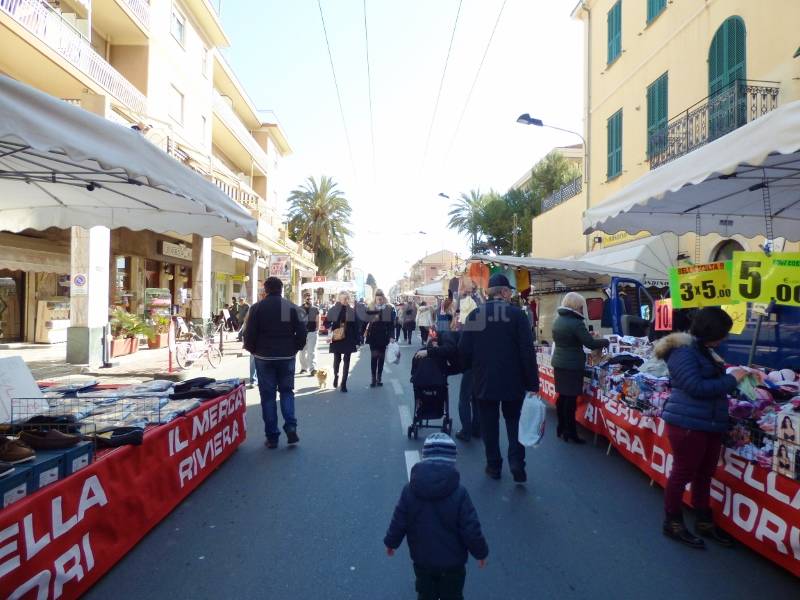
{"x":497,"y":344}
{"x":275,"y":333}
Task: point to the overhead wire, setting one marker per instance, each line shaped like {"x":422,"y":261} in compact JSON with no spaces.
{"x":369,"y":90}
{"x":441,"y":83}
{"x":475,"y":80}
{"x":336,"y":85}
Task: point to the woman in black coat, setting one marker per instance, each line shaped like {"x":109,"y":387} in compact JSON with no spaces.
{"x":343,"y":316}
{"x":380,"y":329}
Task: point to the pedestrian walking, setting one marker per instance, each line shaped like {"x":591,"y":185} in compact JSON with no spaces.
{"x":361,"y":315}
{"x":409,"y":321}
{"x":696,"y":416}
{"x":496,"y":342}
{"x":424,"y":321}
{"x":398,"y":323}
{"x":436,"y":516}
{"x":308,"y":355}
{"x":241,"y":316}
{"x":275,"y":333}
{"x":570,"y":335}
{"x":344,"y":337}
{"x":380,"y":327}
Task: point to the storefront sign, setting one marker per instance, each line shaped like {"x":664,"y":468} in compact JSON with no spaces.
{"x":62,"y":539}
{"x":319,"y":278}
{"x":664,"y":315}
{"x":700,"y":285}
{"x":280,"y":266}
{"x":176,"y":251}
{"x":79,"y":285}
{"x":761,"y":278}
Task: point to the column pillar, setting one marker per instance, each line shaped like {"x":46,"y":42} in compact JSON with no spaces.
{"x":89,"y":259}
{"x":201,"y":279}
{"x":252,"y":271}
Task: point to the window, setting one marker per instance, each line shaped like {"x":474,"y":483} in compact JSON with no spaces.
{"x":177,"y":26}
{"x":614,"y":129}
{"x":654,"y":8}
{"x":657,"y":118}
{"x":175,"y":105}
{"x":615,"y":32}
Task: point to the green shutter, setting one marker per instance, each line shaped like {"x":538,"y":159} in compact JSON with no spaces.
{"x":654,"y":8}
{"x":657,"y":115}
{"x":615,"y":32}
{"x":727,"y":63}
{"x":614,"y":136}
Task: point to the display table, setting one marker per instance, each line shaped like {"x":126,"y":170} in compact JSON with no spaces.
{"x":757,"y":506}
{"x":59,"y":541}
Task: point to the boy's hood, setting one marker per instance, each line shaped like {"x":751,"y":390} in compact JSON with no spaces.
{"x":431,"y":480}
{"x":666,"y":345}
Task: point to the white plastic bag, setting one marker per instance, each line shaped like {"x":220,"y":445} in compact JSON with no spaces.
{"x":393,"y":353}
{"x":532,"y":420}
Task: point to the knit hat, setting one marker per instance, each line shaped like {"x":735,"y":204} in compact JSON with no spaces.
{"x":439,"y":446}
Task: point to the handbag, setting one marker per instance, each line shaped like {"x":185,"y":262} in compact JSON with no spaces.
{"x":338,"y":334}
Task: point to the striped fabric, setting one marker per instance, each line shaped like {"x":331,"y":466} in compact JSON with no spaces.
{"x":439,"y":446}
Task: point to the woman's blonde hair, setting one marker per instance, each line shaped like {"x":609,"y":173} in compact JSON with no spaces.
{"x":575,"y":302}
{"x":344,"y":297}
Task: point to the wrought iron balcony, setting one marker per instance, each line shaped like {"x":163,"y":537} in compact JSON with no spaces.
{"x":567,"y":191}
{"x":55,"y":31}
{"x":720,"y":113}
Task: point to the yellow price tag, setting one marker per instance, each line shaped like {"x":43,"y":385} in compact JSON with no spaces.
{"x":700,"y":285}
{"x":738,"y":314}
{"x":761,"y":278}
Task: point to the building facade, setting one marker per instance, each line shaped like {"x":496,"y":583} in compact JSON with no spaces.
{"x":156,"y":67}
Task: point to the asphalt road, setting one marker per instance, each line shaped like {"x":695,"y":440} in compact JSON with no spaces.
{"x":308,"y":522}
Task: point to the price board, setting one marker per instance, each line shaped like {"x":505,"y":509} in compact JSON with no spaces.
{"x":664,"y":315}
{"x":700,"y":285}
{"x":761,"y":278}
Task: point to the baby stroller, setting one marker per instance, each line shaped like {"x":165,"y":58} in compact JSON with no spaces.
{"x":431,"y":402}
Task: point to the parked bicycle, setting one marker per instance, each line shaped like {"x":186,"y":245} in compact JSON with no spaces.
{"x":196,"y":346}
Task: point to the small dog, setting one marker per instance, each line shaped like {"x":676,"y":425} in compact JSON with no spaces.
{"x":322,"y":378}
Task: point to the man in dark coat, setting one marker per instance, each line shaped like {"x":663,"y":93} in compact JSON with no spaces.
{"x":496,"y":342}
{"x":275,"y":333}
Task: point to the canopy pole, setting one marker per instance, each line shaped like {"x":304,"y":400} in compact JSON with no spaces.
{"x":767,"y":200}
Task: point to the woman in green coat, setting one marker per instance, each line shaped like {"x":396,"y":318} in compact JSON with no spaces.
{"x":570,"y":335}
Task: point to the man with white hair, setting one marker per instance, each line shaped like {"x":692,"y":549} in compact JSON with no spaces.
{"x":496,"y":342}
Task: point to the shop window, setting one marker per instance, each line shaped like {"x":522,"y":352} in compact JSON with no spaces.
{"x":615,"y":32}
{"x":122,"y":281}
{"x":152,"y":274}
{"x":614,"y":132}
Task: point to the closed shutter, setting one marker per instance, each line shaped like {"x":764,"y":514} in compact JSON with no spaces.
{"x":615,"y":31}
{"x":657,"y":115}
{"x":727,"y":64}
{"x":654,"y":8}
{"x":614,"y":134}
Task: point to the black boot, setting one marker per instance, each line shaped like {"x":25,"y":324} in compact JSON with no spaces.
{"x":336,"y":380}
{"x":560,"y":413}
{"x":374,"y":382}
{"x":570,"y":426}
{"x":674,"y":527}
{"x":344,"y":383}
{"x":704,"y":526}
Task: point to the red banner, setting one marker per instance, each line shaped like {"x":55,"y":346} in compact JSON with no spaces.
{"x":757,"y":506}
{"x":62,"y":539}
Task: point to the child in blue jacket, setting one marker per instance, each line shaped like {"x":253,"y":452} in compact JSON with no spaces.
{"x":437,"y":517}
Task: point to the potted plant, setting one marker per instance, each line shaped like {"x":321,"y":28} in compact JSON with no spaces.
{"x":125,"y":330}
{"x":160,"y":325}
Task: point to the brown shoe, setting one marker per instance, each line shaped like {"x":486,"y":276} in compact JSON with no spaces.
{"x":51,"y":439}
{"x":14,"y":451}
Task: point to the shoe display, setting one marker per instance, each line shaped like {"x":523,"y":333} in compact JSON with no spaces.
{"x":49,"y":439}
{"x":120,"y":436}
{"x":492,"y":472}
{"x":6,"y":469}
{"x":675,"y":529}
{"x":292,"y":437}
{"x":15,"y":452}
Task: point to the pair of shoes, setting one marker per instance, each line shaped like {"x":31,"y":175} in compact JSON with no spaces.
{"x":705,"y":527}
{"x":519,"y":475}
{"x":6,"y":469}
{"x":493,"y":472}
{"x":292,"y":437}
{"x":48,"y":439}
{"x":15,"y":451}
{"x":380,"y":383}
{"x":463,"y":436}
{"x":271,"y":444}
{"x":675,"y":529}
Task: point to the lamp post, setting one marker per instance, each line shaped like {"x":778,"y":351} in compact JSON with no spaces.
{"x":443,"y":195}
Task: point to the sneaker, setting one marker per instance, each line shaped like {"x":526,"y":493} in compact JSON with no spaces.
{"x":675,"y":529}
{"x":50,"y":439}
{"x":292,"y":437}
{"x":15,"y":452}
{"x":6,"y":469}
{"x":519,"y":475}
{"x":271,"y":444}
{"x":493,"y":472}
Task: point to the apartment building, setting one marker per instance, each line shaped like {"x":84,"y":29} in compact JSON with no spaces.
{"x":432,"y":267}
{"x":157,"y":67}
{"x":662,"y":79}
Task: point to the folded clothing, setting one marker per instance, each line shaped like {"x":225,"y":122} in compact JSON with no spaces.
{"x":204,"y":393}
{"x":195,"y":383}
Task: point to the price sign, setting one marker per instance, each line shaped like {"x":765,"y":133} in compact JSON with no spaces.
{"x":700,"y":285}
{"x":761,"y":278}
{"x":664,"y":315}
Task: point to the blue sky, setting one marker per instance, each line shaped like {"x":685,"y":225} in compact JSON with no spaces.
{"x":534,"y":65}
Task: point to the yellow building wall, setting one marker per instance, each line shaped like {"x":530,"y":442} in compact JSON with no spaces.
{"x":676,"y":42}
{"x":557,"y":233}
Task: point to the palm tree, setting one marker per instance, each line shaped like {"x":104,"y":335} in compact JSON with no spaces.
{"x":319,"y":216}
{"x":331,"y":262}
{"x":465,"y":216}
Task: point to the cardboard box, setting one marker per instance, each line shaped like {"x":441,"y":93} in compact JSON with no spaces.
{"x":78,"y":457}
{"x":48,"y":467}
{"x":14,"y":487}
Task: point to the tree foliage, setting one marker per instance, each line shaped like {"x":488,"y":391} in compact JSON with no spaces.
{"x":465,"y":216}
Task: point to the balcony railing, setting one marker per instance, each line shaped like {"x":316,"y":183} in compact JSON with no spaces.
{"x":567,"y":191}
{"x":724,"y":111}
{"x":140,"y":8}
{"x":232,"y":121}
{"x":50,"y":27}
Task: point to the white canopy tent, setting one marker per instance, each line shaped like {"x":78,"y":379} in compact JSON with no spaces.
{"x":650,"y":258}
{"x":435,"y":288}
{"x":747,"y":182}
{"x":61,"y":166}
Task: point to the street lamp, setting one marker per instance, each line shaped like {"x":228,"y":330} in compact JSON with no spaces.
{"x":443,"y":195}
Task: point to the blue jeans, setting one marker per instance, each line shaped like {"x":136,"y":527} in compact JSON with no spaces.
{"x":276,"y":376}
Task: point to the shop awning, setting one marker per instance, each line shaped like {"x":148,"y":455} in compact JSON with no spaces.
{"x":546,"y":272}
{"x":435,"y":288}
{"x":330,"y":287}
{"x":650,"y":258}
{"x":720,"y":188}
{"x":62,"y":166}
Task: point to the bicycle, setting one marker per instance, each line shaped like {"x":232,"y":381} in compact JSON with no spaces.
{"x":190,"y":350}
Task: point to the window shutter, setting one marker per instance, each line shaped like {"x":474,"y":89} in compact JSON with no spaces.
{"x":654,"y":8}
{"x":614,"y":20}
{"x":657,"y":114}
{"x":614,"y":135}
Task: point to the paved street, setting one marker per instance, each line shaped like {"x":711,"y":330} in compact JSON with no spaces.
{"x":308,"y":522}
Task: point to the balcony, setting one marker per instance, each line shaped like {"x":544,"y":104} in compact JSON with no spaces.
{"x":59,"y":35}
{"x":126,"y":22}
{"x":237,"y":142}
{"x":567,"y":191}
{"x":730,"y":108}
